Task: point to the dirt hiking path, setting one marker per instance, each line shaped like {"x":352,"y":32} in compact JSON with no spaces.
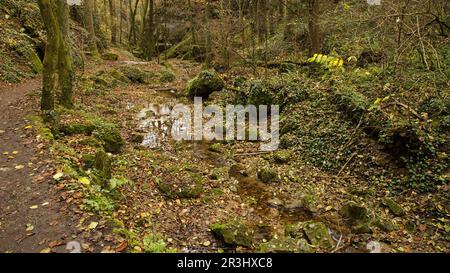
{"x":33,"y":214}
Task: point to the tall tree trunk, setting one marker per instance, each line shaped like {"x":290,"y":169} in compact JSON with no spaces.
{"x":148,"y":37}
{"x":314,"y":27}
{"x":65,"y":62}
{"x":132,"y":35}
{"x":113,"y":15}
{"x":208,"y":49}
{"x":89,"y":19}
{"x":51,"y":55}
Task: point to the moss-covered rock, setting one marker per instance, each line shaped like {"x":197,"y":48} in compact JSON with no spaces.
{"x":166,"y":75}
{"x":110,"y":56}
{"x":393,"y":206}
{"x":102,"y":164}
{"x":286,"y":245}
{"x":317,"y":234}
{"x":77,"y":128}
{"x":268,"y":175}
{"x":136,"y":74}
{"x":354,"y":212}
{"x":294,"y":230}
{"x":233,"y":233}
{"x":181,"y":185}
{"x":116,"y":74}
{"x":283,"y":156}
{"x":110,"y":137}
{"x":204,"y":84}
{"x":384,"y":225}
{"x":361,"y":227}
{"x":88,"y":160}
{"x":215,"y":147}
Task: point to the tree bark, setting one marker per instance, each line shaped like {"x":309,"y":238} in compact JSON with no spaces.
{"x":51,"y":55}
{"x":314,"y":27}
{"x":113,"y":15}
{"x":65,"y":62}
{"x":148,"y":39}
{"x":89,"y":21}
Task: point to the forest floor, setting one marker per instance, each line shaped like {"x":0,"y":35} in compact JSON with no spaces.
{"x":45,"y":204}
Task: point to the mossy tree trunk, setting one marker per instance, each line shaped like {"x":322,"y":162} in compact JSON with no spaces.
{"x":47,"y":8}
{"x":89,"y":21}
{"x":58,"y":59}
{"x":132,"y":35}
{"x":65,"y":62}
{"x":113,"y":14}
{"x":148,"y":37}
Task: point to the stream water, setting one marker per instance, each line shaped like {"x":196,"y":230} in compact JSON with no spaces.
{"x":156,"y":123}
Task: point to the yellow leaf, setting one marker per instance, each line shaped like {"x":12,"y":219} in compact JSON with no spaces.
{"x":93,"y":225}
{"x":34,"y":207}
{"x":84,"y":181}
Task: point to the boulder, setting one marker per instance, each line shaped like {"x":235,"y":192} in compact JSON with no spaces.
{"x":102,"y":164}
{"x":317,"y":234}
{"x":110,"y":137}
{"x":136,"y":74}
{"x":77,"y":129}
{"x":109,"y":56}
{"x":267,"y":175}
{"x":282,"y":156}
{"x":204,"y":84}
{"x":393,"y":206}
{"x":233,"y":233}
{"x":286,"y":245}
{"x":354,"y":212}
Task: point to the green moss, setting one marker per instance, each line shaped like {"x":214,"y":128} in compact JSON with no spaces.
{"x":268,"y":175}
{"x":282,"y":157}
{"x":215,"y":147}
{"x":233,"y":233}
{"x":102,"y":164}
{"x":40,"y":127}
{"x":110,"y":137}
{"x":286,"y":245}
{"x":317,"y":234}
{"x":393,"y":206}
{"x":354,"y":212}
{"x":109,"y":56}
{"x":166,"y":76}
{"x":204,"y":84}
{"x":181,"y":186}
{"x":136,"y":74}
{"x":88,"y":160}
{"x":77,"y":129}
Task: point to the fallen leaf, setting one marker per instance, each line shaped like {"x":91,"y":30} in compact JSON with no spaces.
{"x":93,"y":225}
{"x":28,"y":127}
{"x":55,"y":244}
{"x":46,"y":250}
{"x":15,"y":152}
{"x":58,"y":176}
{"x":122,"y":246}
{"x":207,"y":243}
{"x":30,"y":227}
{"x":84,"y":181}
{"x":19,"y":167}
{"x":44,"y":204}
{"x":34,"y":207}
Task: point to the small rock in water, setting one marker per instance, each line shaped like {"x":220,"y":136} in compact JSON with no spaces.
{"x":275,"y":202}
